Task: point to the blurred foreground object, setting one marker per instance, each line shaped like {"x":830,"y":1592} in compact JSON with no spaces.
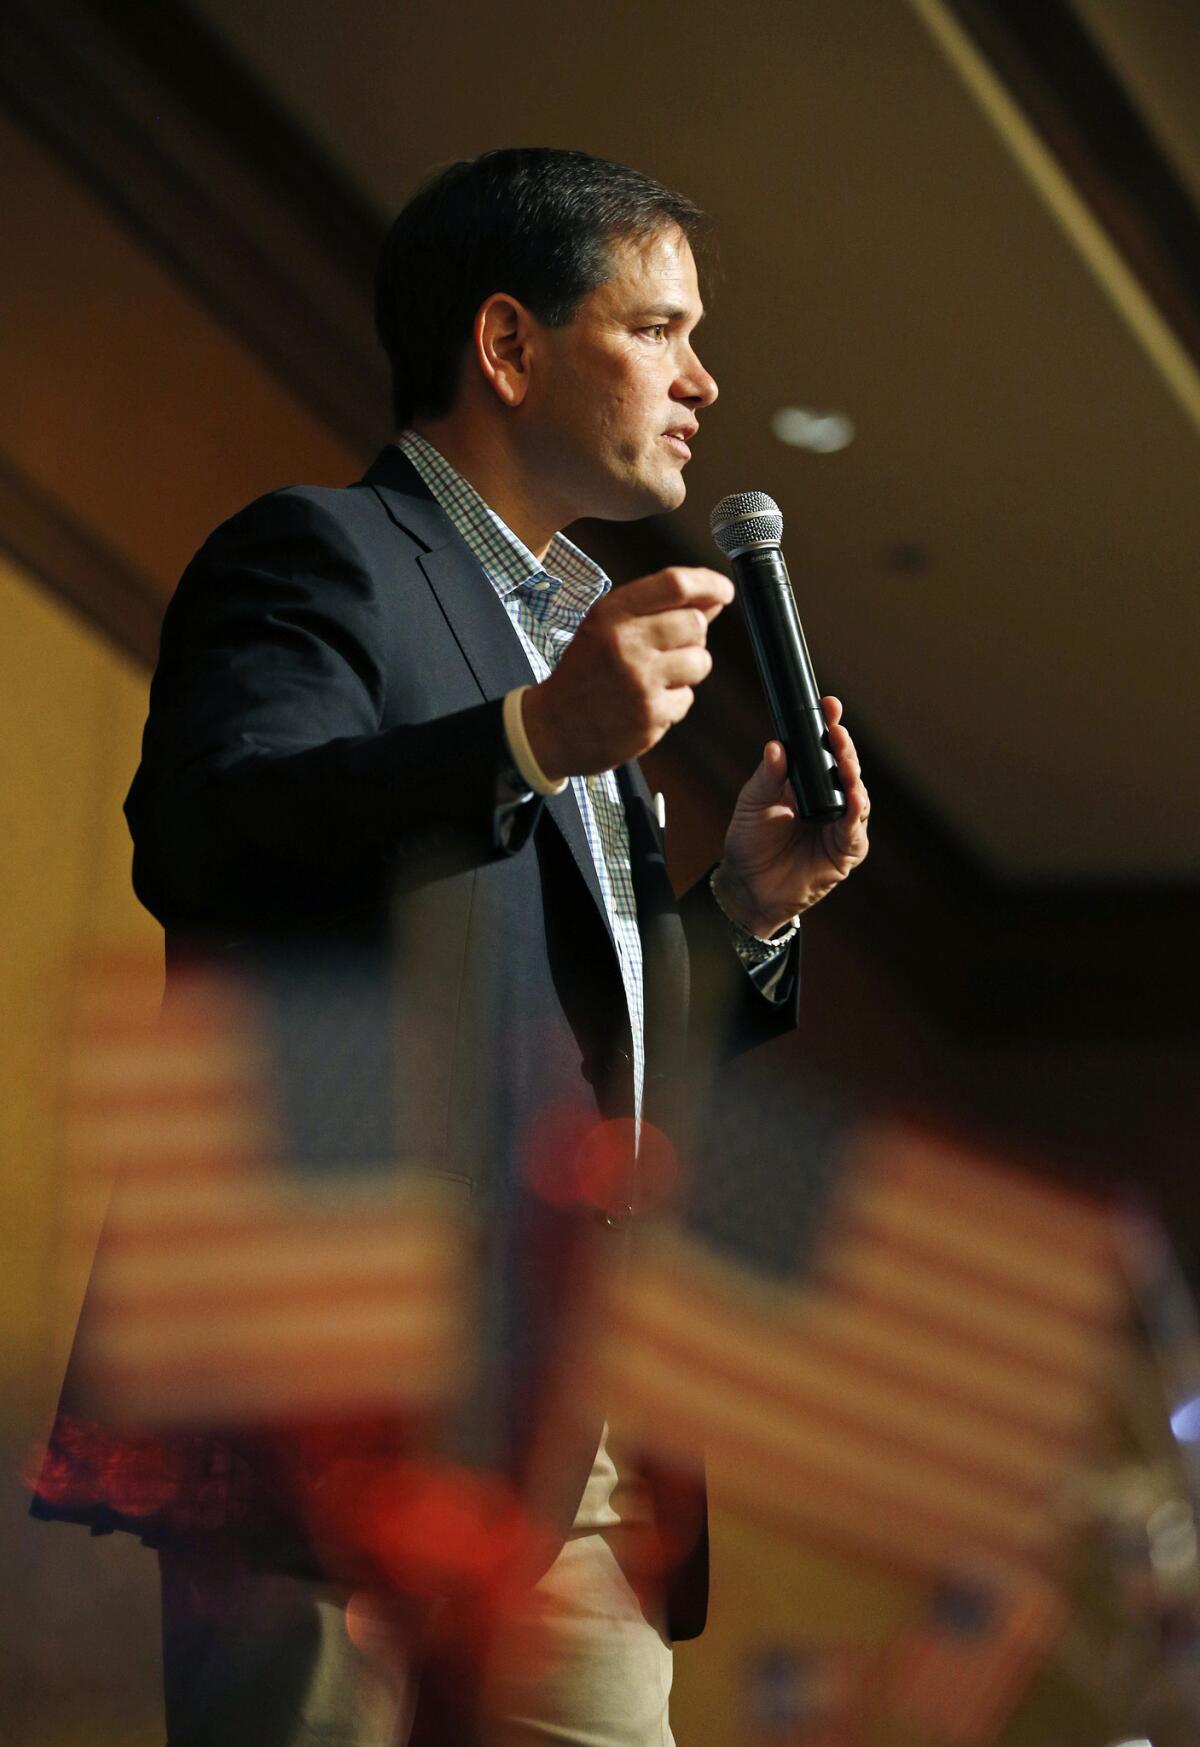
{"x":959,"y":1671}
{"x":893,"y":1349}
{"x":913,"y":1392}
{"x":805,"y":1695}
{"x":246,"y":1280}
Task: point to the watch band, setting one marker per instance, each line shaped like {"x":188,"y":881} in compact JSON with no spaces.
{"x":752,"y":949}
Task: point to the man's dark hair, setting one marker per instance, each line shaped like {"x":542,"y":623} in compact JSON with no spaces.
{"x":532,"y":221}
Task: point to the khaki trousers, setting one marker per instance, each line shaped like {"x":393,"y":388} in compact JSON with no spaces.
{"x":256,"y":1659}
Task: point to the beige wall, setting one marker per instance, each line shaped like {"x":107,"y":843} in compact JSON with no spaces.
{"x":71,"y":712}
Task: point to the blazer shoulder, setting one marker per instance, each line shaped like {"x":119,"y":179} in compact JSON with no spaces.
{"x":348,"y":517}
{"x":329,"y":550}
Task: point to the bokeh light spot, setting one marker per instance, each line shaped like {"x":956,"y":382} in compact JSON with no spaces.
{"x":1185,"y":1421}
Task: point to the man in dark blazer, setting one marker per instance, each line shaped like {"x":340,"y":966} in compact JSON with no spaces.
{"x":410,"y":710}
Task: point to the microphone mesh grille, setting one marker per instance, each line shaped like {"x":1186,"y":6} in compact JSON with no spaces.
{"x":746,"y":518}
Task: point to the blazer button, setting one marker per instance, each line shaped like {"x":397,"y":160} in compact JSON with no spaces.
{"x":621,"y":1217}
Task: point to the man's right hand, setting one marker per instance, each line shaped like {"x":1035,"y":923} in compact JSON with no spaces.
{"x":628,"y":675}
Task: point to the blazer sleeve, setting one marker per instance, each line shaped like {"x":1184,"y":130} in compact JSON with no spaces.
{"x":728,"y":1012}
{"x":269,"y":793}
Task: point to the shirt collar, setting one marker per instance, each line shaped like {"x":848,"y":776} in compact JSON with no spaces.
{"x":507,"y":561}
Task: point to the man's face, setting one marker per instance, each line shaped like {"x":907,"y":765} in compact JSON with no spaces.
{"x":609,"y":420}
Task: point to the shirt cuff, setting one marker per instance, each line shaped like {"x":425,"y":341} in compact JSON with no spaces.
{"x":752,"y":949}
{"x":520,"y":749}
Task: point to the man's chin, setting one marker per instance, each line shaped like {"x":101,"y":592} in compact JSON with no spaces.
{"x":677,"y":487}
{"x":663,"y":494}
{"x":640,"y":497}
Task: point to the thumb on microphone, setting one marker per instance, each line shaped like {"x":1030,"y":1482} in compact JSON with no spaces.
{"x":769,"y":785}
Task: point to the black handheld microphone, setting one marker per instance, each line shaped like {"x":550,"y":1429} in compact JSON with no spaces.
{"x":748,"y":527}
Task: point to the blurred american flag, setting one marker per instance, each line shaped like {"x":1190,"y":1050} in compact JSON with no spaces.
{"x":961,"y":1671}
{"x":806,"y":1695}
{"x":244,"y":1276}
{"x":913,"y":1389}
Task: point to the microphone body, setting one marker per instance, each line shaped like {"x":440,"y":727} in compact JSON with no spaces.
{"x":747,"y":527}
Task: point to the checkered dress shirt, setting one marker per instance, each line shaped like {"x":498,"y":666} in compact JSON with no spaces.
{"x":546,"y":602}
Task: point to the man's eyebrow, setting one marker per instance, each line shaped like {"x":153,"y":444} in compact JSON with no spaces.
{"x":660,"y":312}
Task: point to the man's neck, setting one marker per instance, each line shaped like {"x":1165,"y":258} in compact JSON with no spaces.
{"x":496,"y":474}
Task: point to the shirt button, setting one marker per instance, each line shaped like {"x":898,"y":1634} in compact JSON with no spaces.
{"x":620,"y":1217}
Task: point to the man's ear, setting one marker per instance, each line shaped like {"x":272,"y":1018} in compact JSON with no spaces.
{"x":503,"y":331}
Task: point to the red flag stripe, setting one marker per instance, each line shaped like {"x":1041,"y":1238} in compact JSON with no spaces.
{"x":930,"y":1429}
{"x":960,"y":1244}
{"x":966,"y":1690}
{"x":996,"y":1195}
{"x":311,"y":1278}
{"x":152,"y":1214}
{"x":691,"y":1283}
{"x":174,"y":1141}
{"x":332,"y":1380}
{"x":304,"y":1325}
{"x":258,"y":1264}
{"x":846,"y":1332}
{"x":144,"y":1069}
{"x":747,"y":1427}
{"x":866,"y":1507}
{"x":873,"y":1273}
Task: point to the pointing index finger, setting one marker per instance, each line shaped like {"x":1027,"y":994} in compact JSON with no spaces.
{"x":680,"y":586}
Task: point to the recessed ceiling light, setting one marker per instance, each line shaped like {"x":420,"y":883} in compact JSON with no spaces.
{"x":802,"y":427}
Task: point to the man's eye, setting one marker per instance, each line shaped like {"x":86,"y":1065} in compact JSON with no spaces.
{"x":657,"y":332}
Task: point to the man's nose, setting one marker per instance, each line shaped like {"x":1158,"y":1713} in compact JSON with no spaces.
{"x":697,"y":387}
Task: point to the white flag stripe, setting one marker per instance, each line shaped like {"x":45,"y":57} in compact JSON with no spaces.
{"x":126,"y":998}
{"x":800,"y":1382}
{"x":850,"y":1334}
{"x":246,"y":1329}
{"x":856,"y":1449}
{"x":679,"y":1291}
{"x":255,"y":1263}
{"x":130,"y":1071}
{"x":817,"y":1507}
{"x":717,"y":1414}
{"x":1037,"y":1269}
{"x":173,"y":1140}
{"x":110,"y":1002}
{"x":210,"y":1204}
{"x":330,"y":1384}
{"x":896,"y":1286}
{"x":823,"y":1485}
{"x":934,"y":1171}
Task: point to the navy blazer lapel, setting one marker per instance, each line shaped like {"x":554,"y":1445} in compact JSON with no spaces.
{"x":478,"y":622}
{"x":476,"y":617}
{"x":664,"y":945}
{"x":495,"y":655}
